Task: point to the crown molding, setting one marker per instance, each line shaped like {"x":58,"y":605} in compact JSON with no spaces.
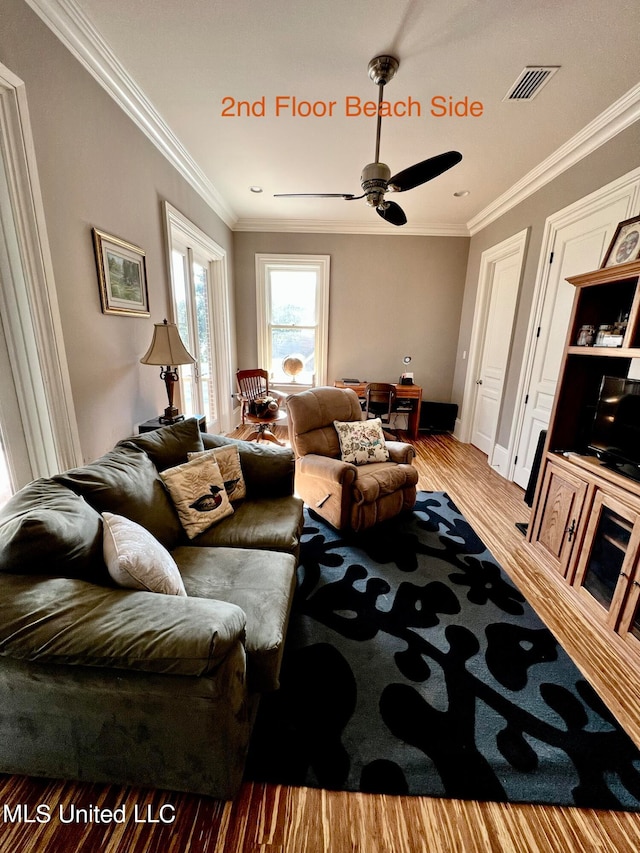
{"x":69,"y":23}
{"x":620,"y":115}
{"x":328,"y":226}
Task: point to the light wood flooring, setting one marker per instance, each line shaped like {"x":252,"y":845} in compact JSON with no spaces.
{"x":274,"y":819}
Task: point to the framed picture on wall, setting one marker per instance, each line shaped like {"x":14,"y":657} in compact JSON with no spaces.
{"x":625,"y":245}
{"x":122,"y":276}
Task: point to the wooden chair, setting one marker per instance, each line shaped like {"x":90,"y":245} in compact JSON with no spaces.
{"x":253,"y":386}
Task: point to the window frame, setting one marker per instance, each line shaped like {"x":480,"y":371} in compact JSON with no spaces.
{"x":320,"y":265}
{"x":182,"y":235}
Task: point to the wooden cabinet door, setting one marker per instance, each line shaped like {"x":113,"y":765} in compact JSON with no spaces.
{"x":608,"y":561}
{"x":561,"y":501}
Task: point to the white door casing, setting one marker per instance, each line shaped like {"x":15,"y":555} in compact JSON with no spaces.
{"x":32,"y":328}
{"x":575,"y":241}
{"x":494,"y":313}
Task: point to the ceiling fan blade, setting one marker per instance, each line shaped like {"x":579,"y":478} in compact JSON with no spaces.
{"x":424,"y":171}
{"x":346,"y":196}
{"x":392,"y":213}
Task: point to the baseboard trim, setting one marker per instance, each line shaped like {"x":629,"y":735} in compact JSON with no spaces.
{"x":500,"y":460}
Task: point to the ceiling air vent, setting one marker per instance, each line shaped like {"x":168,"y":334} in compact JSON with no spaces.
{"x":530,"y":81}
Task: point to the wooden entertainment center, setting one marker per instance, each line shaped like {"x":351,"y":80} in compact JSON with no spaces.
{"x":585,"y":525}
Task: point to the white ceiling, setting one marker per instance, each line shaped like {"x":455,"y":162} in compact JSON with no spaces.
{"x":187,"y":56}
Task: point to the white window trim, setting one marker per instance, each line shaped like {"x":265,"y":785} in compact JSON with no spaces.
{"x":219,"y":305}
{"x":319,"y":264}
{"x":28,"y":302}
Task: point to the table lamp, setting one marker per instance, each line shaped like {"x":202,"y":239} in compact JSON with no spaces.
{"x":168,"y":351}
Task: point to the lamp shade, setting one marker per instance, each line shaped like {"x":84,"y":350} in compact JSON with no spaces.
{"x":167,"y":347}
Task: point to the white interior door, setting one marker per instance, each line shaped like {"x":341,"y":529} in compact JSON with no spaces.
{"x":578,"y":247}
{"x":505,"y":280}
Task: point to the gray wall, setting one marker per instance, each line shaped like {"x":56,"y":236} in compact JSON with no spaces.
{"x":390,"y":296}
{"x":616,"y":158}
{"x":97,"y":169}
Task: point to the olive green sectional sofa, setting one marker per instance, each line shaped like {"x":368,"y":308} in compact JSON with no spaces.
{"x":110,"y":684}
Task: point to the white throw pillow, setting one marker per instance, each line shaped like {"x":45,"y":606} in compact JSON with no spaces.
{"x":362,"y":442}
{"x":136,"y":560}
{"x":198,"y":493}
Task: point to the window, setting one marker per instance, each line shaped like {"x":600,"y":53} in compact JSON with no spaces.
{"x":193,"y":319}
{"x":201,"y":311}
{"x":293,"y":314}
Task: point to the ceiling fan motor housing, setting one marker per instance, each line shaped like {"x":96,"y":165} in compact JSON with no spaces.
{"x":383,"y":68}
{"x":374,"y":180}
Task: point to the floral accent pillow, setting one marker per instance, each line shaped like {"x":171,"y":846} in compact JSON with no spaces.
{"x":228,"y":459}
{"x":136,"y":560}
{"x":362,"y":442}
{"x":198,"y":494}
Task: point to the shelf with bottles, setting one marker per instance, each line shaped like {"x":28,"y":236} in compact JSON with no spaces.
{"x":607,"y":311}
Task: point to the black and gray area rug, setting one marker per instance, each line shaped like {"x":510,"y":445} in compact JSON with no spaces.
{"x":414,"y":666}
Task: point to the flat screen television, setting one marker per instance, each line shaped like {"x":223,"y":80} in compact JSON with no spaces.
{"x":615,"y":433}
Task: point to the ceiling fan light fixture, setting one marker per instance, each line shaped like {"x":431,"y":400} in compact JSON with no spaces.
{"x":373,"y":181}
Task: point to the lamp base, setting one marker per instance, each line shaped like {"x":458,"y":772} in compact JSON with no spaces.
{"x":171,"y":416}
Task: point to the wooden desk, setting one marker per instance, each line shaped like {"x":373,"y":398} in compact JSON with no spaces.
{"x":403,"y":392}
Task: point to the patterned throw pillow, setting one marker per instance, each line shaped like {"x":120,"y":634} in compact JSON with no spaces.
{"x":198,"y":493}
{"x":136,"y":560}
{"x":362,"y":442}
{"x":228,"y":459}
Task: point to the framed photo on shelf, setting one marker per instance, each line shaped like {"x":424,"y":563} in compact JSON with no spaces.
{"x":122,"y":276}
{"x":625,"y":245}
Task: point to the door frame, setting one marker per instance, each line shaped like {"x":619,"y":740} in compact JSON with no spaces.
{"x":516,"y":245}
{"x":554,"y":223}
{"x":28,"y":299}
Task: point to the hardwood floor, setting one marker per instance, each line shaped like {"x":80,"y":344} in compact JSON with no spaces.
{"x":273,"y":819}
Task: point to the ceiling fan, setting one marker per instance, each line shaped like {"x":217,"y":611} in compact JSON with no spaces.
{"x":376,"y":178}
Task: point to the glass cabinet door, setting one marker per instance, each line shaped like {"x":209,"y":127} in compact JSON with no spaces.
{"x":608,"y":555}
{"x":630,"y":626}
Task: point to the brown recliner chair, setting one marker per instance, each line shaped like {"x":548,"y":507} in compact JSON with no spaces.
{"x":346,"y":495}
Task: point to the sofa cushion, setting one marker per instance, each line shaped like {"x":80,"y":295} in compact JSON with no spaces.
{"x":198,"y":493}
{"x":126,"y":482}
{"x":259,"y":582}
{"x":168,"y":446}
{"x":73,"y":622}
{"x":47,"y":529}
{"x":267,"y":471}
{"x":228,"y":459}
{"x":135,"y":560}
{"x":272,"y":525}
{"x":362,"y":442}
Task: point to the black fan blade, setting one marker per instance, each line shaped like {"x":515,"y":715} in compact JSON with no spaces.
{"x":346,"y":196}
{"x":392,"y":213}
{"x":424,"y":171}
